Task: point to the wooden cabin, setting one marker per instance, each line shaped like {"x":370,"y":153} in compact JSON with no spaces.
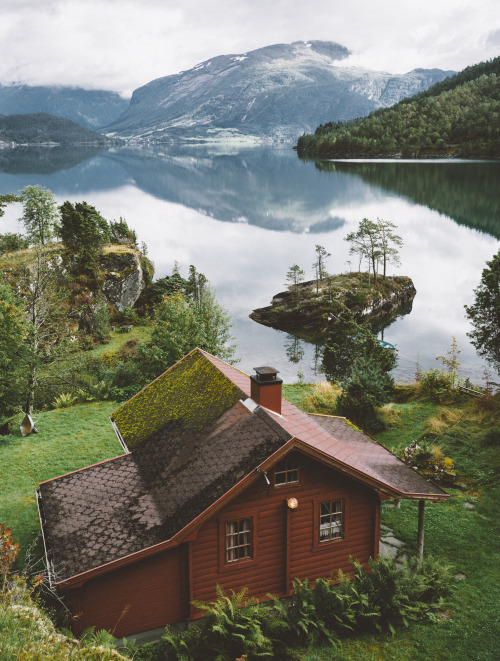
{"x":222,"y":482}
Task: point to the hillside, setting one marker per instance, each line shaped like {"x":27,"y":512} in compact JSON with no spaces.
{"x":271,"y":93}
{"x":459,"y":117}
{"x":90,"y":108}
{"x":42,"y":128}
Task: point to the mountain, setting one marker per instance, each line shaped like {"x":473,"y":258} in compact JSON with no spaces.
{"x":42,"y":128}
{"x":90,"y":108}
{"x":458,"y":117}
{"x":276,"y":92}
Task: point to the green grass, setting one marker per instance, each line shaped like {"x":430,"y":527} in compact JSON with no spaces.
{"x":69,"y":439}
{"x":118,"y":339}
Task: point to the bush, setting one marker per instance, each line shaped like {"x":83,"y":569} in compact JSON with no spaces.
{"x":323,"y":399}
{"x":381,"y":597}
{"x":64,"y":400}
{"x":10,"y":242}
{"x":8,"y":553}
{"x":436,"y":385}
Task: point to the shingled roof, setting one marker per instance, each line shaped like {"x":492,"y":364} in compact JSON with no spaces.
{"x":189,"y":457}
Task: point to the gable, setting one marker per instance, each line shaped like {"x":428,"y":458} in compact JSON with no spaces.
{"x":194,"y":392}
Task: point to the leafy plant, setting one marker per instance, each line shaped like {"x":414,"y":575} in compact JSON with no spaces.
{"x":235,"y":623}
{"x":8,"y":553}
{"x":64,"y":400}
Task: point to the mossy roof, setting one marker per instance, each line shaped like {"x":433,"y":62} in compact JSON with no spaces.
{"x":195,"y":391}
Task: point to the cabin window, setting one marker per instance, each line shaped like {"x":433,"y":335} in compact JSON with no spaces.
{"x":287,"y":471}
{"x":331,"y":520}
{"x":238,"y":540}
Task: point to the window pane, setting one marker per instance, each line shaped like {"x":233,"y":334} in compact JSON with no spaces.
{"x":331,"y":521}
{"x":238,"y":540}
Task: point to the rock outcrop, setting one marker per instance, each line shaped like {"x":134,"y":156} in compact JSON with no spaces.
{"x":307,"y":311}
{"x":123,"y":276}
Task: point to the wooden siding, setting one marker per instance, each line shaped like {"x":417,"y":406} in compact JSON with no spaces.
{"x":286,"y":543}
{"x":156,"y":591}
{"x":141,"y":596}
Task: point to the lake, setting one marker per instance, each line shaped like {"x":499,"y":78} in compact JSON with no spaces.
{"x":244,"y":215}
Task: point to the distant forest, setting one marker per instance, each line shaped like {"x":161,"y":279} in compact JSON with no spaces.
{"x":458,"y":117}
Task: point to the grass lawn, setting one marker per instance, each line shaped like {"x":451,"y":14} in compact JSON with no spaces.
{"x":69,"y":439}
{"x":118,"y":339}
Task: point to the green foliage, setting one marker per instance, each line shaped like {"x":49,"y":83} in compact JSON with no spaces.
{"x":13,"y":331}
{"x":64,"y":400}
{"x":484,"y":313}
{"x":435,"y":385}
{"x":83,"y":232}
{"x":367,"y":387}
{"x":11,"y":242}
{"x":349,"y":343}
{"x":5,"y":199}
{"x":458,"y":117}
{"x":450,"y":361}
{"x":294,"y":277}
{"x":181,"y":323}
{"x":381,"y":597}
{"x":40,"y":215}
{"x":120,"y":232}
{"x":372,"y":241}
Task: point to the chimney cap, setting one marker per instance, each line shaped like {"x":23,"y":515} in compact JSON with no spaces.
{"x":266,"y":374}
{"x":266,"y":370}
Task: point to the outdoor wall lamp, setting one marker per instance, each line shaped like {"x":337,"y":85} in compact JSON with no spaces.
{"x":292,"y":503}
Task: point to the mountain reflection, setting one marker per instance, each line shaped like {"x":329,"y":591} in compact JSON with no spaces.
{"x":43,"y":160}
{"x":467,"y":192}
{"x":263,"y":187}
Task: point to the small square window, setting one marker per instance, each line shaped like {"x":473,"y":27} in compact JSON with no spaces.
{"x":287,"y":471}
{"x":238,"y":544}
{"x":331,"y":521}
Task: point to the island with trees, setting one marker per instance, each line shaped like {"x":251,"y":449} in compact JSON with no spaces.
{"x":310,"y":307}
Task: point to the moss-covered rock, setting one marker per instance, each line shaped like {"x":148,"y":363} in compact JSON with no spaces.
{"x":123,"y":276}
{"x":308,"y":308}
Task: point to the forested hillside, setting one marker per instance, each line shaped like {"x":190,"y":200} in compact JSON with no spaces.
{"x":41,"y":128}
{"x":457,"y":117}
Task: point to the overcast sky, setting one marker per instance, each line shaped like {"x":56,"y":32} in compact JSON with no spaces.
{"x":122,"y":44}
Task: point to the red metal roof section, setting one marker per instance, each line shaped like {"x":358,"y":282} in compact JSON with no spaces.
{"x":345,"y":444}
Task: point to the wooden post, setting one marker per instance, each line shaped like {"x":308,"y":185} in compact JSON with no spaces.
{"x":420,"y":532}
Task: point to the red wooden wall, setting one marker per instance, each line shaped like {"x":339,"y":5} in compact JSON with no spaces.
{"x":286,"y":543}
{"x":158,"y":590}
{"x":139,"y":597}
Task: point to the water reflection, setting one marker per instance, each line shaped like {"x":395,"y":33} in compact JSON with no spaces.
{"x":467,"y":192}
{"x":244,"y":216}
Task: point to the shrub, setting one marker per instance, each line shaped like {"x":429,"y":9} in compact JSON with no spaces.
{"x":323,"y":399}
{"x":491,"y":437}
{"x":64,"y":400}
{"x":435,"y":385}
{"x":8,"y":553}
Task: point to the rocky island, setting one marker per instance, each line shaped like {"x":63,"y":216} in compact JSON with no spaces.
{"x":307,"y":308}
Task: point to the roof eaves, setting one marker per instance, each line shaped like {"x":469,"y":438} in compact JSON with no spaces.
{"x":369,"y":480}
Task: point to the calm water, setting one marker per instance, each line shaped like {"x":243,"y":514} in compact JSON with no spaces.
{"x":244,"y":216}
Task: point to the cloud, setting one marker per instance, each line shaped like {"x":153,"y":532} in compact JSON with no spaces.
{"x":122,"y":44}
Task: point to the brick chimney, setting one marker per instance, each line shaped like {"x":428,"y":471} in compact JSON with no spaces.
{"x":266,"y":388}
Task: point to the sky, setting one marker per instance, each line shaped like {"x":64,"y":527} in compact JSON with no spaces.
{"x":119,"y":45}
